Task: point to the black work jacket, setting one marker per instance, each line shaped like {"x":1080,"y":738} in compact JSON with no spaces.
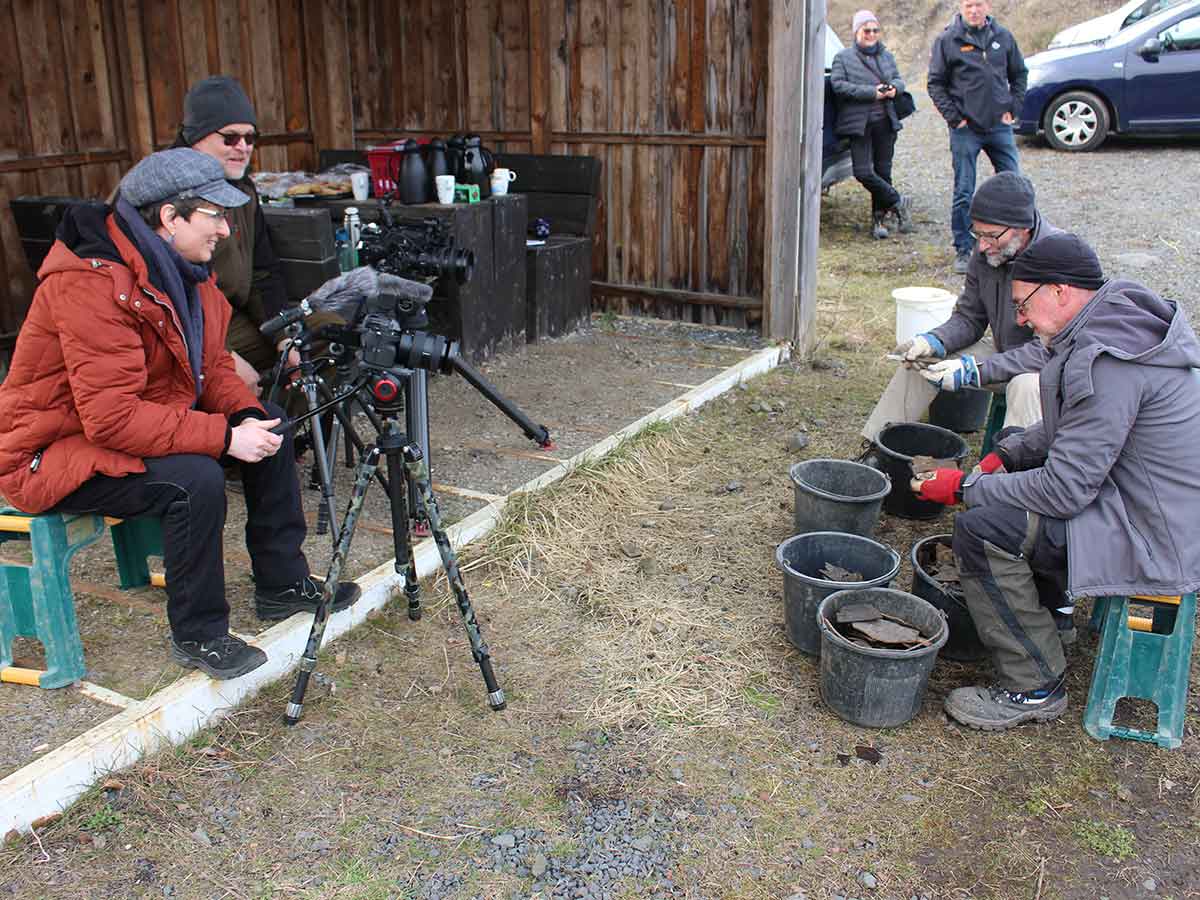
{"x":977,"y":76}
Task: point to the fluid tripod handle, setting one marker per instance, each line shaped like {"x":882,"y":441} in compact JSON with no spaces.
{"x":272,"y":327}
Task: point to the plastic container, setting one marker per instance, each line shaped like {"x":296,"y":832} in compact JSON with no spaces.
{"x":919,"y":309}
{"x":837,"y":495}
{"x":963,"y":411}
{"x":874,"y":687}
{"x":800,"y":557}
{"x":893,"y":454}
{"x":963,"y":643}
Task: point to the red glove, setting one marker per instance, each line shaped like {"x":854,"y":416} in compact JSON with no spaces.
{"x":943,"y":487}
{"x":991,"y":463}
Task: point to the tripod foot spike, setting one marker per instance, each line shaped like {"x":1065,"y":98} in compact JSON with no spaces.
{"x":293,"y":713}
{"x":496,"y":700}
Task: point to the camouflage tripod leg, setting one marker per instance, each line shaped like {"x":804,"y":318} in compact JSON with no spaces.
{"x":418,"y":475}
{"x":308,"y":661}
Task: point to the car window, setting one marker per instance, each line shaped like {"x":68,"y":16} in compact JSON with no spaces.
{"x":1147,"y":9}
{"x":1183,"y":35}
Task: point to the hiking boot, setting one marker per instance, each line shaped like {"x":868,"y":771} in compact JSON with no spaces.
{"x":275,"y":604}
{"x":961,"y":262}
{"x":903,"y":211}
{"x":995,"y":709}
{"x":878,"y":229}
{"x":222,"y":657}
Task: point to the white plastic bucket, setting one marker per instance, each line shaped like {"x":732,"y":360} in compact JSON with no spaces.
{"x":919,"y":309}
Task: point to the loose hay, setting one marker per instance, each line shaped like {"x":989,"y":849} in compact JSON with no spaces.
{"x":694,"y":644}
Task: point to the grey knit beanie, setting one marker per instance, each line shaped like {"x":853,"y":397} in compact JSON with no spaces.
{"x":1005,"y":199}
{"x":211,"y":104}
{"x":861,"y":18}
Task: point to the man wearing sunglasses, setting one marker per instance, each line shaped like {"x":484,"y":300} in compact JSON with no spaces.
{"x":1100,"y":495}
{"x":1005,"y":220}
{"x":219,"y":120}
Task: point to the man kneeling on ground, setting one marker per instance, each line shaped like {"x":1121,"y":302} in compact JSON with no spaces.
{"x":1101,"y":494}
{"x":122,"y":400}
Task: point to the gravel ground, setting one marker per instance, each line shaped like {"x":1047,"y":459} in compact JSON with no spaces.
{"x":1123,"y":199}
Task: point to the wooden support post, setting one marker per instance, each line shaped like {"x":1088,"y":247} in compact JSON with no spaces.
{"x":795,"y":104}
{"x":539,"y":75}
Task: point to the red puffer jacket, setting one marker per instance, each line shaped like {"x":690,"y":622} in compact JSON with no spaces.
{"x":100,"y":377}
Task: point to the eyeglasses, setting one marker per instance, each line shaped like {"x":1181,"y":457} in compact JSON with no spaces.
{"x":232,"y":138}
{"x":870,"y":31}
{"x":1020,"y":307}
{"x":992,"y":238}
{"x":219,"y":215}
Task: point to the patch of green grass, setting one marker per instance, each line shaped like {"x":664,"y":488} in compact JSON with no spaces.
{"x":102,"y":818}
{"x":607,"y":320}
{"x":1112,"y":841}
{"x":764,"y":700}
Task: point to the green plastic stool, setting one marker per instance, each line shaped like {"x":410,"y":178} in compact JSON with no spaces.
{"x":36,"y":599}
{"x":1147,"y":658}
{"x":995,"y":422}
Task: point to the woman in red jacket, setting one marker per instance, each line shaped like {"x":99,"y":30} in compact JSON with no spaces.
{"x":122,"y":400}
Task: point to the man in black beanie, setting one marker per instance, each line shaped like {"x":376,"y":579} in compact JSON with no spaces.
{"x":218,"y":119}
{"x":1106,"y":480}
{"x":1005,"y":220}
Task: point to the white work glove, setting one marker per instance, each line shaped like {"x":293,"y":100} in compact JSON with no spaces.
{"x":952,"y":374}
{"x":915,"y":349}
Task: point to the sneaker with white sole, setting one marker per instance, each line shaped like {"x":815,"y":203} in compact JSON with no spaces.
{"x":222,"y":657}
{"x":996,"y":709}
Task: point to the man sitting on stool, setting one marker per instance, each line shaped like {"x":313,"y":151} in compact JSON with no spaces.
{"x":1101,"y":494}
{"x":1004,"y":221}
{"x":122,"y":400}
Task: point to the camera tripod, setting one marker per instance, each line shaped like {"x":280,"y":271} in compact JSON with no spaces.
{"x":423,"y":353}
{"x":405,"y":468}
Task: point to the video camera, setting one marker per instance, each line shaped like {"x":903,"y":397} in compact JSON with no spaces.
{"x":414,"y":248}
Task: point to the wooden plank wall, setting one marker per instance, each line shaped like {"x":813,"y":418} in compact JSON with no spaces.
{"x":671,"y":95}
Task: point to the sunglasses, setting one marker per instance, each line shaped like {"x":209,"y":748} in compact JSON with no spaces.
{"x":232,"y":138}
{"x":870,"y":31}
{"x":1020,"y":307}
{"x":993,"y":238}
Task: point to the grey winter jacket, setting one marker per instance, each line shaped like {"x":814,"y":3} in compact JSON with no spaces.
{"x":1115,"y":452}
{"x":854,"y":81}
{"x":977,"y":75}
{"x":986,"y":301}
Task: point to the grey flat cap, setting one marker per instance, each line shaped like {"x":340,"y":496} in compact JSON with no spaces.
{"x":180,"y":173}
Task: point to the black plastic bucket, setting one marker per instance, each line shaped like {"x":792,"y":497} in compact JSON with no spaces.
{"x":963,"y":644}
{"x":874,"y":687}
{"x":837,"y":495}
{"x":963,"y":411}
{"x":895,"y":448}
{"x":801,"y":557}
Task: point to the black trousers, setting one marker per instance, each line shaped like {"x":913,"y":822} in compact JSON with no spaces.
{"x":187,"y":492}
{"x":871,"y":154}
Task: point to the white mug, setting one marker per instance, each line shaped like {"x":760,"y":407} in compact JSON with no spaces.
{"x":360,"y":183}
{"x":500,"y":180}
{"x":445,"y":188}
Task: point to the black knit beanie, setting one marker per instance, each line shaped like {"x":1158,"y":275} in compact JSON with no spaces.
{"x":1060,"y":258}
{"x":213,"y":103}
{"x":1005,"y":199}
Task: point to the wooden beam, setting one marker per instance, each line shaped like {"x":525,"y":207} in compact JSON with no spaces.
{"x":62,"y":160}
{"x":539,"y":75}
{"x":657,"y":140}
{"x":669,"y":295}
{"x":137,"y":84}
{"x":795,"y":103}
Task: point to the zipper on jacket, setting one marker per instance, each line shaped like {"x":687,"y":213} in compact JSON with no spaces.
{"x":36,"y":462}
{"x":169,"y":307}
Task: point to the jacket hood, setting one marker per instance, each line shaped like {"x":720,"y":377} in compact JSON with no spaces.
{"x":1130,"y":322}
{"x":83,"y":232}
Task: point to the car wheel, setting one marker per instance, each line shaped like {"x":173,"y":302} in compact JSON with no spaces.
{"x":1076,"y":121}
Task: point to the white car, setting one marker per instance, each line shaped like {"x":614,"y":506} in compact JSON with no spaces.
{"x":1106,"y":26}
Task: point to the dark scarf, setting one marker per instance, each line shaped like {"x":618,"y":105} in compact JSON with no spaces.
{"x":870,"y":58}
{"x":174,"y":276}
